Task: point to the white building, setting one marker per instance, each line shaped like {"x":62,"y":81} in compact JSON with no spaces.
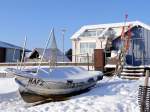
{"x":91,"y":37}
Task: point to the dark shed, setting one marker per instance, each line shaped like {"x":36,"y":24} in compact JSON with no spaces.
{"x":10,"y":52}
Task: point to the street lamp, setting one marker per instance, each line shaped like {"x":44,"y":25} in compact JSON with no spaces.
{"x":63,"y":48}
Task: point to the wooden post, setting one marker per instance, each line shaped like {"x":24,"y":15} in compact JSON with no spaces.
{"x":146,"y":78}
{"x":143,"y":101}
{"x":17,"y":63}
{"x":88,"y":61}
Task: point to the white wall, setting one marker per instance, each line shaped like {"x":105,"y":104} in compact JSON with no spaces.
{"x":100,"y":44}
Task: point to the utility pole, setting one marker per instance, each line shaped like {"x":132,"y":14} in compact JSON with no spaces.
{"x":63,"y":46}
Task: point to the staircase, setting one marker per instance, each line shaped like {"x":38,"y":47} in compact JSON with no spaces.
{"x":131,"y":72}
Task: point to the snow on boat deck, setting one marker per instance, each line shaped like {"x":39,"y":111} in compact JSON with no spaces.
{"x":61,"y":73}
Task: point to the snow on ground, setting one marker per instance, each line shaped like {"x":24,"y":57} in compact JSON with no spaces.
{"x":109,"y":95}
{"x":10,"y":98}
{"x":9,"y":83}
{"x":115,"y":95}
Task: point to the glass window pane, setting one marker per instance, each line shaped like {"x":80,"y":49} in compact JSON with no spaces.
{"x":89,"y":33}
{"x":92,"y":45}
{"x":99,"y":32}
{"x":87,"y":47}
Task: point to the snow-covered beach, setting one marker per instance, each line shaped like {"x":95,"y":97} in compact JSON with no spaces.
{"x":109,"y":95}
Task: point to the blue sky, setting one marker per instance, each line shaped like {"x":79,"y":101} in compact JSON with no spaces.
{"x":35,"y":18}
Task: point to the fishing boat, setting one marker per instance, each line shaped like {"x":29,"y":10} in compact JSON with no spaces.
{"x":60,"y":81}
{"x":53,"y":80}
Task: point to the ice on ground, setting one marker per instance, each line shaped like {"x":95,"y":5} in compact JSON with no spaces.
{"x":109,"y":95}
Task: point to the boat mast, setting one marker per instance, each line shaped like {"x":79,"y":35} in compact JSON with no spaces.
{"x":53,"y":52}
{"x":45,"y":50}
{"x":23,"y":52}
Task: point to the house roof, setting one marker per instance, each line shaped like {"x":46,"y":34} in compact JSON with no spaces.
{"x":48,"y":52}
{"x":11,"y":46}
{"x":110,"y":25}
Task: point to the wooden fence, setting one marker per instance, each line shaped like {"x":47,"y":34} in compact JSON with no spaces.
{"x":47,"y":64}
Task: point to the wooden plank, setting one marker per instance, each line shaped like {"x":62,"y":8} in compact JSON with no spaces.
{"x":133,"y":70}
{"x":130,"y":77}
{"x":138,"y":74}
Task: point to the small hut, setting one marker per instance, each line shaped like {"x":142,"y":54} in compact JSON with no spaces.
{"x":36,"y":55}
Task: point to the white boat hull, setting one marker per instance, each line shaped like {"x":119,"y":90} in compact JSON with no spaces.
{"x":41,"y":87}
{"x":73,"y":80}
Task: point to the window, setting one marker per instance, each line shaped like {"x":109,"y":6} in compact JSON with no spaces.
{"x":110,"y":33}
{"x":87,"y":47}
{"x":92,"y":33}
{"x":89,"y":33}
{"x":99,"y":31}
